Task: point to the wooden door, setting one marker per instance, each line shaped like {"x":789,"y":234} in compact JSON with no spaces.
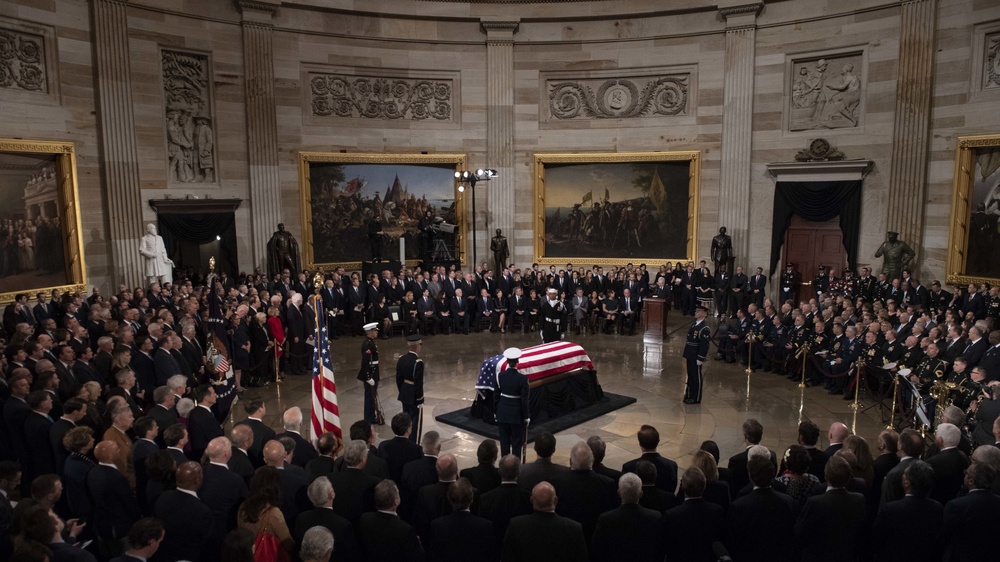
{"x":812,"y":244}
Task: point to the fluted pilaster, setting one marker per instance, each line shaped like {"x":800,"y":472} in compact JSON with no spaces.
{"x":737,"y":125}
{"x":262,"y":125}
{"x":910,"y":133}
{"x":119,"y":157}
{"x":499,"y":130}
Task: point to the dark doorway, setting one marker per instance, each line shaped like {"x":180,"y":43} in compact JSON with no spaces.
{"x":192,"y":239}
{"x":811,"y":244}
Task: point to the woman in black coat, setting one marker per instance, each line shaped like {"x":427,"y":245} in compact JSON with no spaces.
{"x":261,"y":362}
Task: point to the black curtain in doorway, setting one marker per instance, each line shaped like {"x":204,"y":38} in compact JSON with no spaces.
{"x":817,"y":202}
{"x":201,"y":229}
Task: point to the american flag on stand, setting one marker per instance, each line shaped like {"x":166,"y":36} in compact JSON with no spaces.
{"x":325,"y":412}
{"x":536,"y":363}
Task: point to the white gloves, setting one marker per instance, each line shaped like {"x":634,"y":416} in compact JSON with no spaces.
{"x":527,"y":421}
{"x":371,"y":382}
{"x":700,"y":363}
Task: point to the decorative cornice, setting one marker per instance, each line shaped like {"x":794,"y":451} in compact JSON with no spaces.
{"x":741,"y":10}
{"x":256,"y":5}
{"x":498,"y":25}
{"x":499,"y":32}
{"x":194,"y":206}
{"x":839,"y":170}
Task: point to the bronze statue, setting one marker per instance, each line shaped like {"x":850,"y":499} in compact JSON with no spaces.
{"x":282,"y":252}
{"x":500,"y":251}
{"x":897,"y":255}
{"x":722,"y":249}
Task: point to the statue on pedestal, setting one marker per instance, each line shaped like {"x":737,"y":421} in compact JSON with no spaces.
{"x":282,"y":252}
{"x":722,"y":249}
{"x":158,"y":267}
{"x":897,"y":255}
{"x":500,"y":252}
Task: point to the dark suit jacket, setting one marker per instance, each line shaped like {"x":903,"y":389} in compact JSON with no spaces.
{"x":738,"y":476}
{"x":6,"y":522}
{"x":165,"y":366}
{"x":976,"y":352}
{"x":949,"y":472}
{"x":222,"y":490}
{"x":892,"y":485}
{"x":75,"y":472}
{"x":543,"y":537}
{"x":397,"y":452}
{"x":689,"y":530}
{"x":41,"y":458}
{"x":459,"y":537}
{"x":503,"y":504}
{"x":164,"y":419}
{"x":416,"y":475}
{"x":758,"y":524}
{"x":375,"y":465}
{"x":629,"y":528}
{"x":261,"y":434}
{"x":541,"y":470}
{"x":657,"y":499}
{"x":293,"y":492}
{"x":828,"y":527}
{"x":142,"y":450}
{"x":355,"y":490}
{"x":606,"y":471}
{"x":202,"y":428}
{"x":115,"y":508}
{"x":188,"y":527}
{"x":484,"y":477}
{"x":387,"y":537}
{"x":666,"y":470}
{"x":911,"y":516}
{"x":240,"y":464}
{"x":304,"y":450}
{"x":320,"y":466}
{"x":62,"y":552}
{"x":965,"y":513}
{"x":345,"y":542}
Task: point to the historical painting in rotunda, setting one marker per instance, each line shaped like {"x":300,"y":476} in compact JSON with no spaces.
{"x":975,"y":218}
{"x":39,"y":233}
{"x":616,"y":207}
{"x":343,"y":195}
{"x":826,"y":92}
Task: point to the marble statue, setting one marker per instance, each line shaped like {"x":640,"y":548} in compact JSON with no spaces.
{"x":158,"y":267}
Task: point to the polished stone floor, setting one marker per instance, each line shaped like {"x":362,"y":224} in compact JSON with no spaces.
{"x":651,"y":371}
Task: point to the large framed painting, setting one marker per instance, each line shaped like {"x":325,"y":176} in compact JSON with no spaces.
{"x":341,"y":193}
{"x":616,"y":208}
{"x":40,"y":246}
{"x":975,"y":212}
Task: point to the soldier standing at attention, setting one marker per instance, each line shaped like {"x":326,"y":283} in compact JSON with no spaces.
{"x":410,"y":383}
{"x":369,"y":373}
{"x":512,"y":406}
{"x":695,"y":350}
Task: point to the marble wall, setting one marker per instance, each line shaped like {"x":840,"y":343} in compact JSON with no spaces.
{"x":447,"y":41}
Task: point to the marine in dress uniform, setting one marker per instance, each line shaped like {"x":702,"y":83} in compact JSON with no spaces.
{"x":410,"y":383}
{"x":552,"y":315}
{"x":789,"y":283}
{"x":369,"y":373}
{"x":512,"y":411}
{"x":695,"y":351}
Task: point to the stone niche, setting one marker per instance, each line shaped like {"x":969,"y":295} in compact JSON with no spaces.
{"x":826,"y":90}
{"x":187,"y":91}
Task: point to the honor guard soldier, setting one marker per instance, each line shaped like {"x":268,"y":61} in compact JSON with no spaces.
{"x":695,"y":351}
{"x":512,"y":411}
{"x":369,"y":373}
{"x":410,"y":384}
{"x":789,"y":283}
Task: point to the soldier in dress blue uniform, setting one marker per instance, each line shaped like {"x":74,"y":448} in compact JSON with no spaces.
{"x":789,"y":283}
{"x":369,"y":373}
{"x":551,"y":311}
{"x":695,"y":351}
{"x":512,"y":411}
{"x":410,"y":383}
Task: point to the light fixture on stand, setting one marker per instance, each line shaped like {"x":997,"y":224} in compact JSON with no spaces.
{"x":465,"y":177}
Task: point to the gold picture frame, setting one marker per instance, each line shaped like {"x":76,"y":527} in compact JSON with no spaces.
{"x":574,"y":239}
{"x":41,"y":197}
{"x":381,"y":165}
{"x":974,"y":232}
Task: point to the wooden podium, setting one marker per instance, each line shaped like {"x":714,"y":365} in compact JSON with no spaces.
{"x":654,"y":317}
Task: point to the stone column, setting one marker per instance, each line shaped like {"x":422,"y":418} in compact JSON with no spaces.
{"x":737,"y":126}
{"x":262,"y":124}
{"x":119,"y":156}
{"x":499,"y":133}
{"x":910,"y":136}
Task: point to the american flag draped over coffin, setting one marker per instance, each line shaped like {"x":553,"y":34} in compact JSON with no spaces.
{"x":536,"y":363}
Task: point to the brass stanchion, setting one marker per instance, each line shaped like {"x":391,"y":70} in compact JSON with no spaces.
{"x":804,"y":350}
{"x":750,"y":340}
{"x":895,"y":394}
{"x":856,"y":405}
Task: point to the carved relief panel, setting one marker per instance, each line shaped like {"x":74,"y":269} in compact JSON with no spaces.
{"x":187,"y":80}
{"x":826,"y":90}
{"x":27,"y":69}
{"x":985,"y":79}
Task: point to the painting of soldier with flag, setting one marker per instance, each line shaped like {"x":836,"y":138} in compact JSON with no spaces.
{"x":608,"y":207}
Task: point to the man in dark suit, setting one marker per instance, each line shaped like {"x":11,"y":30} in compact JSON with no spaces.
{"x":325,"y":463}
{"x":293,"y":481}
{"x":10,"y":480}
{"x":585,"y":494}
{"x":542,"y":469}
{"x":73,"y":411}
{"x":976,"y":347}
{"x":991,"y":358}
{"x":828,"y":527}
{"x":962,"y":514}
{"x":16,"y":409}
{"x":241,"y":437}
{"x":256,"y":410}
{"x":690,"y":529}
{"x":544,"y":535}
{"x":914,"y":515}
{"x":222,"y":489}
{"x":41,"y":458}
{"x":355,"y":488}
{"x":484,"y":476}
{"x":322,"y":495}
{"x":949,"y":464}
{"x":420,"y":472}
{"x":506,"y":501}
{"x":304,"y":450}
{"x":432,"y":499}
{"x":666,"y":469}
{"x":188,"y":523}
{"x":163,"y":411}
{"x":295,"y":321}
{"x":758,"y":523}
{"x":202,"y":424}
{"x":652,"y":496}
{"x":143,"y":448}
{"x":460,"y":535}
{"x":599,"y":448}
{"x":400,"y":449}
{"x":375,"y":465}
{"x":383,"y":535}
{"x":911,"y":447}
{"x":115,"y":508}
{"x":630,"y":528}
{"x":144,"y":539}
{"x":459,"y":312}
